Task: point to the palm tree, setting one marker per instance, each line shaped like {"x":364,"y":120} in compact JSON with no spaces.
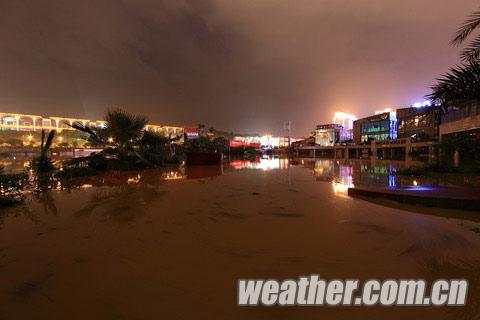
{"x":126,"y":133}
{"x":461,"y":83}
{"x":124,"y":128}
{"x":43,"y":163}
{"x":122,"y":131}
{"x":472,"y":51}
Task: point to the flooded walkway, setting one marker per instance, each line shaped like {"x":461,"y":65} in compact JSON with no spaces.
{"x":163,"y":247}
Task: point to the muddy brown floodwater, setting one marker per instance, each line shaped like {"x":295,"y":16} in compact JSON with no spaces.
{"x":152,"y":248}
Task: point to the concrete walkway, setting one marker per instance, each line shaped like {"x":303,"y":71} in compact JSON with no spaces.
{"x":440,"y":197}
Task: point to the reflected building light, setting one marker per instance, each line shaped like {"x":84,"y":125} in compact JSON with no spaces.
{"x":268,"y":164}
{"x":260,"y":164}
{"x":344,"y":181}
{"x":422,"y":188}
{"x":284,"y":163}
{"x":339,"y":187}
{"x":392,"y":181}
{"x":134,"y":180}
{"x":173,"y":175}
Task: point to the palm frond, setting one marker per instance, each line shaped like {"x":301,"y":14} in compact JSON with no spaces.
{"x":472,"y":52}
{"x":461,"y":83}
{"x":154,"y":139}
{"x":42,"y":143}
{"x":79,"y":126}
{"x":124,"y":126}
{"x":466,"y":29}
{"x":93,"y":135}
{"x":49,"y":141}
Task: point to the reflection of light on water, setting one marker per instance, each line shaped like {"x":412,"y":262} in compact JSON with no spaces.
{"x":86,"y":186}
{"x":324,"y":168}
{"x":392,"y":180}
{"x":268,"y":164}
{"x":415,"y":183}
{"x":134,"y":180}
{"x":421,"y":188}
{"x":263,"y":163}
{"x":173,"y":175}
{"x":341,"y":187}
{"x":344,"y":180}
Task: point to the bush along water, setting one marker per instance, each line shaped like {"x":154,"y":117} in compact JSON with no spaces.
{"x":126,"y":146}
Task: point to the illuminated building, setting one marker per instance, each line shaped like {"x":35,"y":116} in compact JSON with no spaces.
{"x":307,"y":142}
{"x":265,"y":142}
{"x":328,"y":135}
{"x":461,"y":118}
{"x":26,"y":122}
{"x":346,"y":121}
{"x":421,"y":122}
{"x":382,"y":126}
{"x":384,"y":111}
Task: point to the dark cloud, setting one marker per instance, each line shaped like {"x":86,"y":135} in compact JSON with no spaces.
{"x":242,"y":65}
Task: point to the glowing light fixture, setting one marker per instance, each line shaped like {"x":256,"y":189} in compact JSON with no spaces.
{"x":383,"y":111}
{"x":342,"y":115}
{"x":425,"y":103}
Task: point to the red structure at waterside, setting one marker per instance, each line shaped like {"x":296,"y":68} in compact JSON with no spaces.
{"x":236,"y":144}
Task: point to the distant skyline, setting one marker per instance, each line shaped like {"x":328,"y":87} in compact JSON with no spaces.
{"x":236,"y":65}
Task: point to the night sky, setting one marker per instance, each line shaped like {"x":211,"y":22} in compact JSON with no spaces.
{"x":237,"y":65}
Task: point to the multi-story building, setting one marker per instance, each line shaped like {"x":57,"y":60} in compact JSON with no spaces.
{"x":328,"y":135}
{"x":25,"y":122}
{"x":382,"y":126}
{"x":346,"y":121}
{"x":307,"y":142}
{"x":266,"y":142}
{"x":420,"y":123}
{"x":461,"y":118}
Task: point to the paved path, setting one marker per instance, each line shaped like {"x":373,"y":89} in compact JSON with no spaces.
{"x":441,"y":197}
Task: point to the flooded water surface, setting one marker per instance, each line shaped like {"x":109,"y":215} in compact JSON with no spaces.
{"x":172,"y":244}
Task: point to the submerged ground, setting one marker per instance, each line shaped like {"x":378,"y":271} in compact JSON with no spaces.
{"x":152,"y":248}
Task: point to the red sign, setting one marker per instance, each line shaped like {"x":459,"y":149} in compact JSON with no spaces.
{"x":236,"y":143}
{"x":191,"y":132}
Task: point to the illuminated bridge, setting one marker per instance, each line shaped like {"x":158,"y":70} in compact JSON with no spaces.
{"x":28,"y":122}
